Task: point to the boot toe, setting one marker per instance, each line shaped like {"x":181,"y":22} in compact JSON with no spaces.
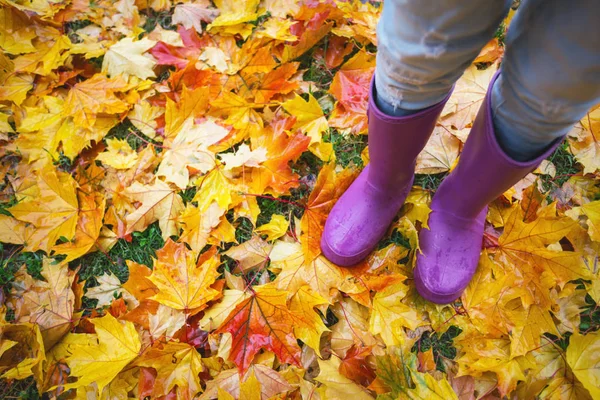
{"x":344,"y":257}
{"x":435,"y":290}
{"x":359,"y":220}
{"x":449,"y":256}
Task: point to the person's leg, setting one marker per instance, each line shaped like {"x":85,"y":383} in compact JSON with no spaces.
{"x":550,"y":74}
{"x":548,"y":80}
{"x":424,"y":47}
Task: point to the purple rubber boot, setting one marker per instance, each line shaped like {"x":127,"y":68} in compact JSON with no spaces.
{"x":452,"y":244}
{"x":362,"y":215}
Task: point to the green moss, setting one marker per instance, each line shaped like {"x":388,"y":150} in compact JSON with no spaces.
{"x":566,"y":166}
{"x":127,"y":131}
{"x":141,"y":249}
{"x":442,"y":345}
{"x":12,"y":259}
{"x":429,"y":181}
{"x":348,"y":149}
{"x":24,"y":389}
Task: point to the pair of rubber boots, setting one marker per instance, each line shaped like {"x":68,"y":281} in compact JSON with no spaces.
{"x":451,"y":247}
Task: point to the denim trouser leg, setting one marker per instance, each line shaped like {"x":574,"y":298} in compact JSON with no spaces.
{"x":550,"y":73}
{"x":424,"y":46}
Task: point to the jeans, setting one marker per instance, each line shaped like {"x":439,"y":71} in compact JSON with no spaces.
{"x":550,"y":74}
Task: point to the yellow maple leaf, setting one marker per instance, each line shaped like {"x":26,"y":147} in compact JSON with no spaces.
{"x":216,"y":315}
{"x":109,"y":287}
{"x":16,"y":32}
{"x":584,"y":143}
{"x":167,"y":321}
{"x":251,"y":255}
{"x":197,"y":224}
{"x":592,"y":213}
{"x":240,"y":113}
{"x":119,"y":155}
{"x":529,"y":326}
{"x":74,"y":138}
{"x":234,"y":13}
{"x":16,"y":87}
{"x":277,"y":28}
{"x":116,"y":344}
{"x":41,"y":7}
{"x":159,"y":202}
{"x":275,"y":228}
{"x":190,"y":15}
{"x":143,"y":116}
{"x":190,"y":149}
{"x":429,"y":388}
{"x":126,"y":58}
{"x":229,"y":383}
{"x":87,"y":231}
{"x":52,"y":208}
{"x":250,"y":389}
{"x":16,"y":232}
{"x":336,"y":385}
{"x":310,"y":328}
{"x":482,"y":354}
{"x":525,"y":245}
{"x":463,"y":105}
{"x":389,"y":315}
{"x":49,"y":55}
{"x":485,"y":297}
{"x":93,"y":96}
{"x":22,"y":351}
{"x":440,"y":152}
{"x":178,"y":113}
{"x":244,"y":157}
{"x":182,"y":284}
{"x":583,"y":356}
{"x":177,"y":365}
{"x":309,"y":116}
{"x":51,"y":302}
{"x":294,"y":271}
{"x":352,"y":328}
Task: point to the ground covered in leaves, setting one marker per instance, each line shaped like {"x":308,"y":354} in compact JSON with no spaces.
{"x":166,"y":171}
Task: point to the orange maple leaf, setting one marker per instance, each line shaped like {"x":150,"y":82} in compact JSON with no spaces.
{"x":263,"y":320}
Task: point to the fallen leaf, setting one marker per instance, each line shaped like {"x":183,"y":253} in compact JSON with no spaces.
{"x":51,"y":303}
{"x":251,"y":255}
{"x":267,"y":322}
{"x":126,"y":58}
{"x":584,"y":143}
{"x":582,"y":357}
{"x":159,"y":202}
{"x":115,"y":345}
{"x":52,"y":209}
{"x":275,"y":228}
{"x":591,"y":212}
{"x":177,"y":366}
{"x":119,"y":155}
{"x":182,"y":283}
{"x":469,"y":91}
{"x":337,"y":386}
{"x":190,"y":150}
{"x":108,"y":288}
{"x":94,"y":96}
{"x":190,"y":15}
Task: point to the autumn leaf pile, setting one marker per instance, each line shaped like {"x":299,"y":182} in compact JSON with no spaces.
{"x":195,"y":120}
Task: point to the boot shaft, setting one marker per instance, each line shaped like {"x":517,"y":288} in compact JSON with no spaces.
{"x":395,"y":142}
{"x":484,"y":170}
